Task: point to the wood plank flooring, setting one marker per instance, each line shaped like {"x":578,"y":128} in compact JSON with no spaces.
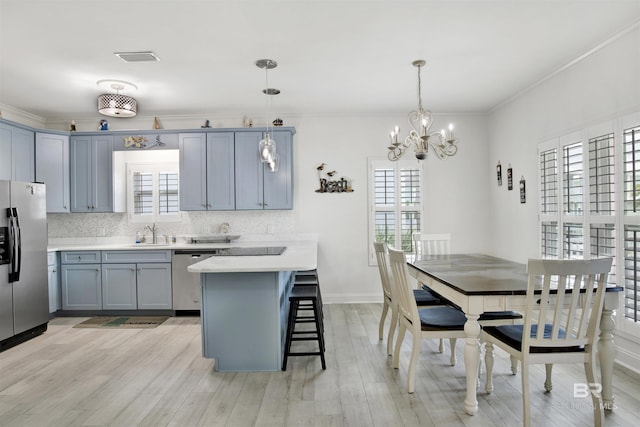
{"x":157,"y":377}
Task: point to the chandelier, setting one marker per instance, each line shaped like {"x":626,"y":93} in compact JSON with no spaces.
{"x":420,"y":135}
{"x":267,"y":146}
{"x":116,"y":104}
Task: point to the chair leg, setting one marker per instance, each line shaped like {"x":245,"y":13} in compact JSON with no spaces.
{"x":488,"y":361}
{"x":396,"y":354}
{"x":385,"y":308}
{"x":452,"y":344}
{"x":526,"y":410}
{"x":514,"y":365}
{"x":596,"y":398}
{"x":415,"y":352}
{"x":547,"y":383}
{"x":441,"y":346}
{"x":392,"y":330}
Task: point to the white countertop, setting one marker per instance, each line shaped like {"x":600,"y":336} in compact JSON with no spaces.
{"x":301,"y":252}
{"x":300,"y":255}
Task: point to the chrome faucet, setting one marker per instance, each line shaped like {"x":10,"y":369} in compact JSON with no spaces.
{"x":154,"y":232}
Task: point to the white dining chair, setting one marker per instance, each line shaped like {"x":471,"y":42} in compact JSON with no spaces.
{"x":431,"y":322}
{"x":554,"y":331}
{"x":422,"y":297}
{"x":431,"y":244}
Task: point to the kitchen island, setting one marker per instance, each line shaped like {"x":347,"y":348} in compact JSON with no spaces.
{"x":245,"y":303}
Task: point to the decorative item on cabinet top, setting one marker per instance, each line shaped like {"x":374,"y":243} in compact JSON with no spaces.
{"x":145,"y":142}
{"x":330,"y":185}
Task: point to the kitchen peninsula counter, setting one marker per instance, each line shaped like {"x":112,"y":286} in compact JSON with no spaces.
{"x":245,"y":303}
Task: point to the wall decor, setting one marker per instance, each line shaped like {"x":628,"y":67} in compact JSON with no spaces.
{"x":206,"y":125}
{"x":104,"y":125}
{"x":247,"y":122}
{"x":510,"y":178}
{"x":523,"y":191}
{"x":499,"y":173}
{"x":156,"y":124}
{"x":330,"y":185}
{"x":140,"y":142}
{"x":72,"y":126}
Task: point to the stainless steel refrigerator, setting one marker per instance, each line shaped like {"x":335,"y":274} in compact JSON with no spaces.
{"x":24,"y":294}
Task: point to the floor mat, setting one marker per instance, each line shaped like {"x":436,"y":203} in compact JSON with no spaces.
{"x":131,"y":322}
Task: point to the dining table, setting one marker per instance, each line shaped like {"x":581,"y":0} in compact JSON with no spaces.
{"x":478,"y":283}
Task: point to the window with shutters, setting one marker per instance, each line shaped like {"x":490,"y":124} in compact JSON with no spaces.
{"x":395,"y":195}
{"x":152,"y":194}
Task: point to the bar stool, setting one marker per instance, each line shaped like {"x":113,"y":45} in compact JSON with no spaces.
{"x":308,"y":278}
{"x":310,"y":297}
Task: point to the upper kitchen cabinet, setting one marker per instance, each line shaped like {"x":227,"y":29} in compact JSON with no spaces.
{"x":207,"y":171}
{"x":17,"y":148}
{"x":52,"y":168}
{"x":91,"y":173}
{"x":256,"y":186}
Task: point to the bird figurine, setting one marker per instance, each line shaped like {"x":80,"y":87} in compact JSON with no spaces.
{"x":321,"y":167}
{"x":331,"y":173}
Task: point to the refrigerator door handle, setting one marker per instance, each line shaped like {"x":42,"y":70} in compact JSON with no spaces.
{"x":16,"y":274}
{"x":12,"y":245}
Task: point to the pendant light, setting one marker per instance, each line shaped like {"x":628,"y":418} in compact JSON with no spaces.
{"x":117,"y":104}
{"x":267,"y":146}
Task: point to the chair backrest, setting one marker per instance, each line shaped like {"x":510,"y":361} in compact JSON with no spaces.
{"x":400,"y":289}
{"x":581,"y":283}
{"x":431,"y":244}
{"x":383,"y":268}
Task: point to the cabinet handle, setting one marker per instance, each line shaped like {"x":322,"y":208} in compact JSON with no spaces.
{"x":53,"y":271}
{"x":97,"y":271}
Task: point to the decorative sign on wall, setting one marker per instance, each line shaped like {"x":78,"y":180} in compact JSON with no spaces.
{"x":510,"y":178}
{"x":140,"y":142}
{"x":499,"y":173}
{"x":330,"y":185}
{"x":523,"y":190}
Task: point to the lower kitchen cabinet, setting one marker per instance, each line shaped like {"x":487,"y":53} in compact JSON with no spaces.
{"x":154,"y":286}
{"x":119,"y":287}
{"x":81,"y":286}
{"x":54,"y":283}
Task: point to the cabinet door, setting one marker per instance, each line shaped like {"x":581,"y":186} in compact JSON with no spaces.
{"x":81,"y":287}
{"x":52,"y":168}
{"x":54,"y":292}
{"x":102,"y":177}
{"x":193,"y":171}
{"x":220,"y":171}
{"x":154,"y":286}
{"x":249,"y":175}
{"x":119,"y":287}
{"x":5,"y":159}
{"x":278,"y":186}
{"x":17,"y":148}
{"x":80,"y":156}
{"x":22,"y":142}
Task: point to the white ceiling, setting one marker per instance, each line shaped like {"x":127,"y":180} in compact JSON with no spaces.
{"x":350,"y":56}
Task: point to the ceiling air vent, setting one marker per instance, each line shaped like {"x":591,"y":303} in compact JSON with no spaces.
{"x":137,"y":56}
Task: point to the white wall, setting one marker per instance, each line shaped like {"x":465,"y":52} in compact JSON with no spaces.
{"x":602,"y":86}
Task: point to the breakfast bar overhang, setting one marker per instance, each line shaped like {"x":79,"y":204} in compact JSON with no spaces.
{"x":245,"y":303}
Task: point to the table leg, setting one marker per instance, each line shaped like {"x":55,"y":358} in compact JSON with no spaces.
{"x":472,"y":362}
{"x":606,"y":354}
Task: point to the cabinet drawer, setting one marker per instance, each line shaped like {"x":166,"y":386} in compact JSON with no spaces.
{"x":142,"y":255}
{"x":80,"y":257}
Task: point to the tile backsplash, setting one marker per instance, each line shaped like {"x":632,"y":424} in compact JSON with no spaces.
{"x":192,"y":224}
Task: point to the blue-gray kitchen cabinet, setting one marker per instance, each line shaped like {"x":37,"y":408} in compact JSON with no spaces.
{"x":207,"y":171}
{"x":17,"y":159}
{"x":52,"y":168}
{"x":256,"y":186}
{"x":91,"y":169}
{"x":119,"y":287}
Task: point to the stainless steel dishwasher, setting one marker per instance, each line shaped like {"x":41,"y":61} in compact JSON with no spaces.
{"x":186,"y":286}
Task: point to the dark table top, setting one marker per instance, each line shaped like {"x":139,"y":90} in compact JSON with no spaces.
{"x":478,"y":274}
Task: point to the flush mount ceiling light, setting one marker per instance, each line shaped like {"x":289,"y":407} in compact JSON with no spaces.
{"x":267,"y":146}
{"x":420,"y":122}
{"x":117,"y":104}
{"x":146,"y":56}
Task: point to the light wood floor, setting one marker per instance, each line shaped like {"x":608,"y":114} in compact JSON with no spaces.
{"x":157,"y":377}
